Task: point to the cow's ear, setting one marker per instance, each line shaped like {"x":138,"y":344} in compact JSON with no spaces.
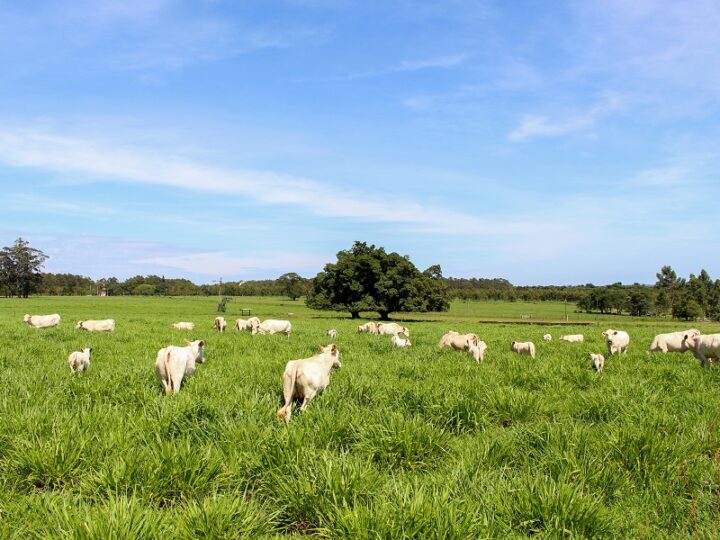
{"x":201,"y":343}
{"x":334,"y":348}
{"x":615,"y":333}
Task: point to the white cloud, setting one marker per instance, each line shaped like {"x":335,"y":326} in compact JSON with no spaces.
{"x":218,"y":263}
{"x":96,"y":162}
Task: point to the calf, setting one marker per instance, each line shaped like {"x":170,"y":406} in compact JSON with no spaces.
{"x":332,"y":333}
{"x":397,"y":341}
{"x":304,"y":379}
{"x":572,"y":338}
{"x":547,"y":337}
{"x":526,"y":348}
{"x":477,"y":350}
{"x":173,"y":363}
{"x":79,"y":361}
{"x":183,"y":326}
{"x":220,"y":324}
{"x":597,"y":361}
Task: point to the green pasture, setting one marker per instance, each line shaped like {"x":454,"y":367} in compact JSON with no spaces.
{"x":417,"y":443}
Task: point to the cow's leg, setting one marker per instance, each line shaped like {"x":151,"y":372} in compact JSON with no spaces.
{"x":307,"y":399}
{"x":703,"y":360}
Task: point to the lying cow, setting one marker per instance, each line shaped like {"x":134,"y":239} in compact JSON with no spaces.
{"x":220,"y":324}
{"x":272,"y":326}
{"x":104,"y":325}
{"x":476,"y":349}
{"x":368,"y":328}
{"x":397,"y":341}
{"x":392,"y":329}
{"x":672,"y":342}
{"x":183,"y":325}
{"x":79,"y":361}
{"x":304,"y":379}
{"x":332,"y":333}
{"x":526,"y":348}
{"x":572,"y":338}
{"x":547,"y":337}
{"x":597,"y":361}
{"x":173,"y":363}
{"x":618,"y":341}
{"x":42,"y":321}
{"x":703,"y":347}
{"x":457,"y":341}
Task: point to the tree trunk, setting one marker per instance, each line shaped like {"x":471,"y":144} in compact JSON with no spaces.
{"x":354,"y":314}
{"x":384,"y":315}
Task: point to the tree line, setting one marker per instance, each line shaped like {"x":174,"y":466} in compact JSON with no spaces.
{"x":367,"y":278}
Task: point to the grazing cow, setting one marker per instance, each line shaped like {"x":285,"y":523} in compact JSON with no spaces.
{"x":183,"y":326}
{"x":392,"y":329}
{"x":597,"y":361}
{"x":526,"y":348}
{"x":220,"y":324}
{"x":272,"y":326}
{"x":618,"y":341}
{"x":42,"y":321}
{"x":332,"y":333}
{"x":476,"y":349}
{"x":304,"y":379}
{"x":457,"y":341}
{"x":547,"y":337}
{"x":572,"y":338}
{"x":79,"y":360}
{"x":704,"y":348}
{"x":397,"y":341}
{"x":241,"y":324}
{"x":104,"y":325}
{"x":173,"y":363}
{"x":672,"y":342}
{"x":368,"y":328}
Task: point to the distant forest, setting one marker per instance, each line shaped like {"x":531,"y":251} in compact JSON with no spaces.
{"x":694,"y":298}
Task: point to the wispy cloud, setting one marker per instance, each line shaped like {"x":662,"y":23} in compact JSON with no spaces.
{"x":533,"y":125}
{"x":219,"y":263}
{"x":98,"y":162}
{"x":406,"y":66}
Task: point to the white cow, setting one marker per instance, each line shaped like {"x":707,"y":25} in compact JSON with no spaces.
{"x":332,"y":333}
{"x":392,"y":329}
{"x":397,"y":341}
{"x":79,"y":360}
{"x":220,"y":324}
{"x":572,"y":338}
{"x":618,"y":341}
{"x":547,"y":337}
{"x":597,"y":361}
{"x":173,"y":363}
{"x":240,"y":325}
{"x":672,"y":342}
{"x":42,"y":321}
{"x":368,"y":328}
{"x":304,"y":379}
{"x":526,"y":348}
{"x":457,"y":341}
{"x":183,"y":325}
{"x":476,"y":350}
{"x":272,"y":326}
{"x":704,"y":347}
{"x":104,"y":325}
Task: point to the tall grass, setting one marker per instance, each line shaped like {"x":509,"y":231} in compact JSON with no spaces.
{"x":415,"y":443}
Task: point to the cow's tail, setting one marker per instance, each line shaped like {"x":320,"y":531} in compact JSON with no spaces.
{"x":289,"y":379}
{"x":169,"y":387}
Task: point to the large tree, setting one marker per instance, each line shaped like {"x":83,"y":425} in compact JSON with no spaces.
{"x":20,"y":267}
{"x":366,"y":278}
{"x":292,"y":285}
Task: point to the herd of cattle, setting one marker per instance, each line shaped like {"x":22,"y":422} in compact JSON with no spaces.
{"x":305,"y":378}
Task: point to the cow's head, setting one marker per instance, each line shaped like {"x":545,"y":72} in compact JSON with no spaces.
{"x":689,"y":342}
{"x":331,"y":351}
{"x":87,"y":351}
{"x":26,"y":318}
{"x":79,"y":326}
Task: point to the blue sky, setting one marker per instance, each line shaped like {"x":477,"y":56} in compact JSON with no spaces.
{"x":544,"y":142}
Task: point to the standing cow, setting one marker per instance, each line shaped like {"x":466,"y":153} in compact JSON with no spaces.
{"x":392,"y":329}
{"x":597,"y":361}
{"x":220,"y":324}
{"x":704,"y":347}
{"x":173,"y":363}
{"x":272,"y":326}
{"x":672,"y":342}
{"x":526,"y":348}
{"x":618,"y":341}
{"x":79,"y":361}
{"x":457,"y":341}
{"x":476,"y":349}
{"x":304,"y":379}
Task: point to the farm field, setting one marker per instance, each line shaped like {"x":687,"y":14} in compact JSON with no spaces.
{"x":416,"y":443}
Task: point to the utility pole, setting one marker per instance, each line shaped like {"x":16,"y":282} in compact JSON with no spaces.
{"x":566,"y":316}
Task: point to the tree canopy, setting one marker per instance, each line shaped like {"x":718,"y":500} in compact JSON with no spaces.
{"x":366,"y":278}
{"x":20,"y":267}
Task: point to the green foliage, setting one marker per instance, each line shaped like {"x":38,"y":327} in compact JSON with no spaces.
{"x":366,"y":278}
{"x":20,"y":267}
{"x":293,"y":285}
